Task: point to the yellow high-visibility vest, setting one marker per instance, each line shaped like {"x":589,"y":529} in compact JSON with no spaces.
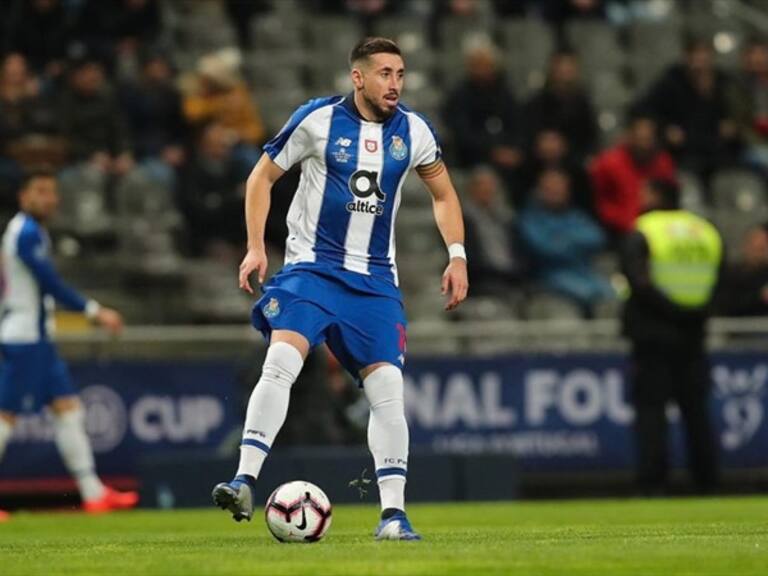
{"x":685,"y":254}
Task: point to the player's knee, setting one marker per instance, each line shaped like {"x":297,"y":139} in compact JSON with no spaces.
{"x":384,"y":388}
{"x":66,"y":404}
{"x":8,"y":418}
{"x":282,"y":364}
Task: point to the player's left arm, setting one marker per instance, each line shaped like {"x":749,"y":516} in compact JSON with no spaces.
{"x":450,"y":222}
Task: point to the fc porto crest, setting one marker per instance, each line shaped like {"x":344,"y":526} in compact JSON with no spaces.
{"x":272,"y":308}
{"x":398,"y":149}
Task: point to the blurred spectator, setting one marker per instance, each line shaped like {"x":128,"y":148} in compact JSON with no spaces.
{"x":745,"y":286}
{"x":550,"y":150}
{"x":691,"y":103}
{"x":27,"y":124}
{"x":152,"y":105}
{"x":218,"y":93}
{"x":618,"y":174}
{"x":92,"y":120}
{"x":115,"y":30}
{"x":561,"y":241}
{"x":672,"y":278}
{"x":41,"y":30}
{"x":211,"y":194}
{"x":482,"y":115}
{"x":493,"y":256}
{"x":750,"y":100}
{"x":563,"y":105}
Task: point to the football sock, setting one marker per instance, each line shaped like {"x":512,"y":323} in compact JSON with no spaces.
{"x":388,"y":434}
{"x":389,"y":512}
{"x":75,"y":449}
{"x":268,"y":406}
{"x":5,"y":435}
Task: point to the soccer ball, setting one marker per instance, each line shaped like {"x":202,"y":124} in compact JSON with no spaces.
{"x":298,"y":512}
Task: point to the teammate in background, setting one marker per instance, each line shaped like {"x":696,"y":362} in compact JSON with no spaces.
{"x":31,"y":369}
{"x":339,"y":284}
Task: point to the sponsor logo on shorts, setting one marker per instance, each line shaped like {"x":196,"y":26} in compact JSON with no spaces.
{"x":272,"y":308}
{"x":398,"y":149}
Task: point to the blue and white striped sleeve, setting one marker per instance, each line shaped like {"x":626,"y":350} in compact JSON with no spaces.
{"x":294,"y":142}
{"x":32,"y":251}
{"x":426,"y":143}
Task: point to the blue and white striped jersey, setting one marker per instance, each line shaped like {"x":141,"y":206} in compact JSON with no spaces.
{"x":342,"y":218}
{"x":31,"y":284}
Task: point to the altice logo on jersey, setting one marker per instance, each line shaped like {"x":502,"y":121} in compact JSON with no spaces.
{"x":364,"y":184}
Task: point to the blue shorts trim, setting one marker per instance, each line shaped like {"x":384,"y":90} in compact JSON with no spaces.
{"x":32,"y":376}
{"x":361,"y":328}
{"x":255,"y":444}
{"x":393,"y":471}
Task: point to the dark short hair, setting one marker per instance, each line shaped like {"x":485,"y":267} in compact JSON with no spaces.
{"x":34,"y":174}
{"x":668,"y":190}
{"x":373,"y":45}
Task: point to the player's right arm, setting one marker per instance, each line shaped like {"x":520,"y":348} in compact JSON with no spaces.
{"x":31,"y":251}
{"x":257,"y":199}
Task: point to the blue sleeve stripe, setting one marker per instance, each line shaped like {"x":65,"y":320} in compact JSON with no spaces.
{"x":276,"y":144}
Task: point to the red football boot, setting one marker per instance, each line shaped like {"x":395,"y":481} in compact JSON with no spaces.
{"x":111,"y":500}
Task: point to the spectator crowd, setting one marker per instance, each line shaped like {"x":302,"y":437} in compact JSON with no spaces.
{"x":91,"y":88}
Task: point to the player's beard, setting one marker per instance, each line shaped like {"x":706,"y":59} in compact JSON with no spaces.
{"x":381,"y":112}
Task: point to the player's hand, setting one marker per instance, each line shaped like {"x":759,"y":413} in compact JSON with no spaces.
{"x":110,"y":320}
{"x":254,"y":261}
{"x":455,"y":283}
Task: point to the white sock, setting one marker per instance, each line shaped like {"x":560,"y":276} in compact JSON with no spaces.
{"x":268,"y":406}
{"x":388,"y":433}
{"x":75,"y":449}
{"x":6,"y":430}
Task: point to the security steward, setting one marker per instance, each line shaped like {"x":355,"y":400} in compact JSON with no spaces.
{"x":672,"y":262}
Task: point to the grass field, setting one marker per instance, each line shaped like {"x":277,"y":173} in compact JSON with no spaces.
{"x":605,"y":538}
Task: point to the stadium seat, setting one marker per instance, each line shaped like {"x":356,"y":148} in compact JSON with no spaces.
{"x":542,"y":305}
{"x":528,"y":44}
{"x":739,"y":190}
{"x":692,"y":193}
{"x":654,"y":46}
{"x":597,"y":45}
{"x":83,"y":209}
{"x":734,"y":225}
{"x":410,"y":33}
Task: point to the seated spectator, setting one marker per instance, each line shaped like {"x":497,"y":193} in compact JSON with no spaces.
{"x":153,"y":109}
{"x":692,"y":105}
{"x":218,"y":93}
{"x":481,"y":115}
{"x":750,"y":100}
{"x":745,"y":285}
{"x":40,"y":30}
{"x":92,"y":120}
{"x":211,"y":194}
{"x":27,"y":127}
{"x":561,"y":242}
{"x":493,"y":257}
{"x":550,"y":150}
{"x":619,"y":173}
{"x":563,"y":105}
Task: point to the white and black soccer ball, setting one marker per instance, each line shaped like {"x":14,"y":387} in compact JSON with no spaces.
{"x":298,"y":512}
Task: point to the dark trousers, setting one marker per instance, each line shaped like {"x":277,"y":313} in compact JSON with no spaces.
{"x":672,"y":374}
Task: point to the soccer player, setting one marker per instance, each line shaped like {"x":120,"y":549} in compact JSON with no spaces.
{"x":339,"y":283}
{"x":31,"y":369}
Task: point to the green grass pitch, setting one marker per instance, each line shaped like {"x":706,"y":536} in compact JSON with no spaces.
{"x":604,"y":538}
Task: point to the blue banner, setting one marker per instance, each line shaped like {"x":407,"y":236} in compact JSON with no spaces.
{"x":134,"y":409}
{"x":571,"y":412}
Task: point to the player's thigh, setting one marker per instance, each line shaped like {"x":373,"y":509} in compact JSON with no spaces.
{"x":21,"y":378}
{"x":59,"y":390}
{"x":285,"y":317}
{"x":369,"y":333}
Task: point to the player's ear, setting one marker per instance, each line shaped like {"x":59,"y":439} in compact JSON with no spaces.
{"x":357,"y":77}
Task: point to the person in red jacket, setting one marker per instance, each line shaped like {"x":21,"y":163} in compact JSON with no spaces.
{"x":619,"y":173}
